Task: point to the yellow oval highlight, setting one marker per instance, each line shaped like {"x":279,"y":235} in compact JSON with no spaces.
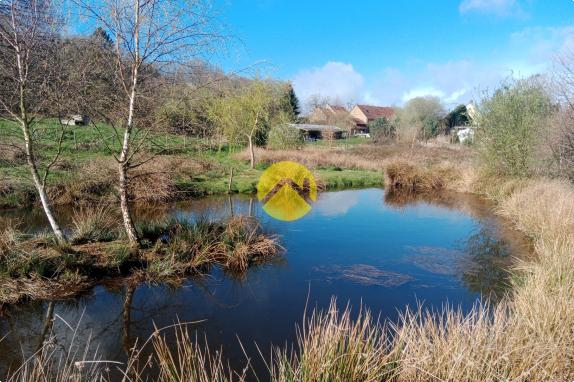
{"x":286,"y":190}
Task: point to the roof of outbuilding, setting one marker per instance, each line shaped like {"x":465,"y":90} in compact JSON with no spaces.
{"x":308,"y":126}
{"x":339,"y":108}
{"x":375,"y":112}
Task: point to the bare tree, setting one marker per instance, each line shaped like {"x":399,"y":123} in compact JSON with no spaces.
{"x":29,"y":73}
{"x":562,"y":138}
{"x":151,"y":38}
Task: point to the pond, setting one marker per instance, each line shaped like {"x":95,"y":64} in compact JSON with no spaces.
{"x":362,"y":246}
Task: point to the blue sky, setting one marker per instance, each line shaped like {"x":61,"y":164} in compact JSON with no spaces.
{"x":385,"y":52}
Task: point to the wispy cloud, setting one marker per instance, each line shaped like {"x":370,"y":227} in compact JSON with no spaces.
{"x":336,"y":80}
{"x":501,"y":8}
{"x":545,"y":43}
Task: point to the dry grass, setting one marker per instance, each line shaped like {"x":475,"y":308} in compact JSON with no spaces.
{"x":333,"y":347}
{"x":189,"y":361}
{"x":234,"y":244}
{"x":405,"y":177}
{"x":95,"y":224}
{"x":36,"y":268}
{"x":528,"y":336}
{"x":365,"y":157}
{"x":154,"y":181}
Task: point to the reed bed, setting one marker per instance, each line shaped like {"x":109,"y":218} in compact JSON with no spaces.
{"x":331,"y":346}
{"x":36,"y":267}
{"x":364,"y":157}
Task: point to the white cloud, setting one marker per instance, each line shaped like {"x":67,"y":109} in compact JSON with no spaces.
{"x":456,"y":95}
{"x":453,"y":81}
{"x":494,"y":7}
{"x":422,"y":92}
{"x":458,"y":81}
{"x":336,"y":80}
{"x":335,"y":203}
{"x":544,"y":43}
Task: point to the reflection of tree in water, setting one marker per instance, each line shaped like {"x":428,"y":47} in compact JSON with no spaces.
{"x":482,"y":261}
{"x":488,"y":271}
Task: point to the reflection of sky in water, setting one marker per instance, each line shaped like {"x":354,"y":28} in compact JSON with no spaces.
{"x":335,"y":203}
{"x":351,"y":245}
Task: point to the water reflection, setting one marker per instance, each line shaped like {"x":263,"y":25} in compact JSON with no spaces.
{"x":482,"y":261}
{"x":360,"y":245}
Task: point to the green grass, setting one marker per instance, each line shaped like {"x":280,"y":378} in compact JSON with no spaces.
{"x":352,"y":141}
{"x":83,"y":145}
{"x":337,"y":179}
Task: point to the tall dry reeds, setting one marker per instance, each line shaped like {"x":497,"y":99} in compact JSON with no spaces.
{"x":188,"y":361}
{"x":331,"y":346}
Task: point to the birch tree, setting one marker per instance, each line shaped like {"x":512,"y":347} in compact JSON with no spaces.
{"x":29,"y":72}
{"x":151,"y":38}
{"x":245,"y":113}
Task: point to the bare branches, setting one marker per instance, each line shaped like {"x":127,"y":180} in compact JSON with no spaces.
{"x":149,"y":37}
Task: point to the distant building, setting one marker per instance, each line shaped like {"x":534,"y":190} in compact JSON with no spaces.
{"x":313,"y":132}
{"x":362,"y":115}
{"x":464,"y":133}
{"x":328,"y":114}
{"x":471,"y":111}
{"x":76,"y":120}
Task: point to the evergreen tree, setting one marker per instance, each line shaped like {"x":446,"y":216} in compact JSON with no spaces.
{"x":293,"y":101}
{"x":102,"y":36}
{"x":457,"y":117}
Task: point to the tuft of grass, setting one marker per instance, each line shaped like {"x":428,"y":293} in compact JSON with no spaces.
{"x":94,"y":224}
{"x":404,"y":176}
{"x":333,"y":347}
{"x":234,"y":244}
{"x":190,"y":361}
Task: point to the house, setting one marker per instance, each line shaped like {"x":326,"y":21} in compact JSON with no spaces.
{"x":328,"y":114}
{"x":362,"y":115}
{"x":313,"y":132}
{"x":464,"y":133}
{"x":76,"y":120}
{"x":471,"y":111}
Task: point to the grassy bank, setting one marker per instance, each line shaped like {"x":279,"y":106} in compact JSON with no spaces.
{"x":36,"y":267}
{"x":183,"y":167}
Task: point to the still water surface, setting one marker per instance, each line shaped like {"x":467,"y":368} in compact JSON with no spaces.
{"x":357,"y":245}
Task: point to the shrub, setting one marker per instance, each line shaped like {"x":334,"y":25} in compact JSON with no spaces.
{"x":382,"y":129}
{"x":284,"y":136}
{"x":510,"y":123}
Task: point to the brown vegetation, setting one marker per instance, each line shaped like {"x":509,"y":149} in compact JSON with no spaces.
{"x":37,"y":268}
{"x":366,"y":157}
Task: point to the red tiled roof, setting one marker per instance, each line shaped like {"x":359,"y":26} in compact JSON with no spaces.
{"x":375,"y":112}
{"x":338,"y":108}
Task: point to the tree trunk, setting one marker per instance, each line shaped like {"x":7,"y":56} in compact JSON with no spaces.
{"x":30,"y":157}
{"x":251,"y":152}
{"x":40,"y":186}
{"x":124,"y":160}
{"x":125,"y":206}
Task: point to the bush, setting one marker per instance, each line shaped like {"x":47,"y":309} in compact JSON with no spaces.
{"x":382,"y":129}
{"x":284,"y":137}
{"x":510,"y":125}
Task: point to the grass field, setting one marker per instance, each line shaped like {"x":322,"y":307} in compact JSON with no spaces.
{"x":184,"y":167}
